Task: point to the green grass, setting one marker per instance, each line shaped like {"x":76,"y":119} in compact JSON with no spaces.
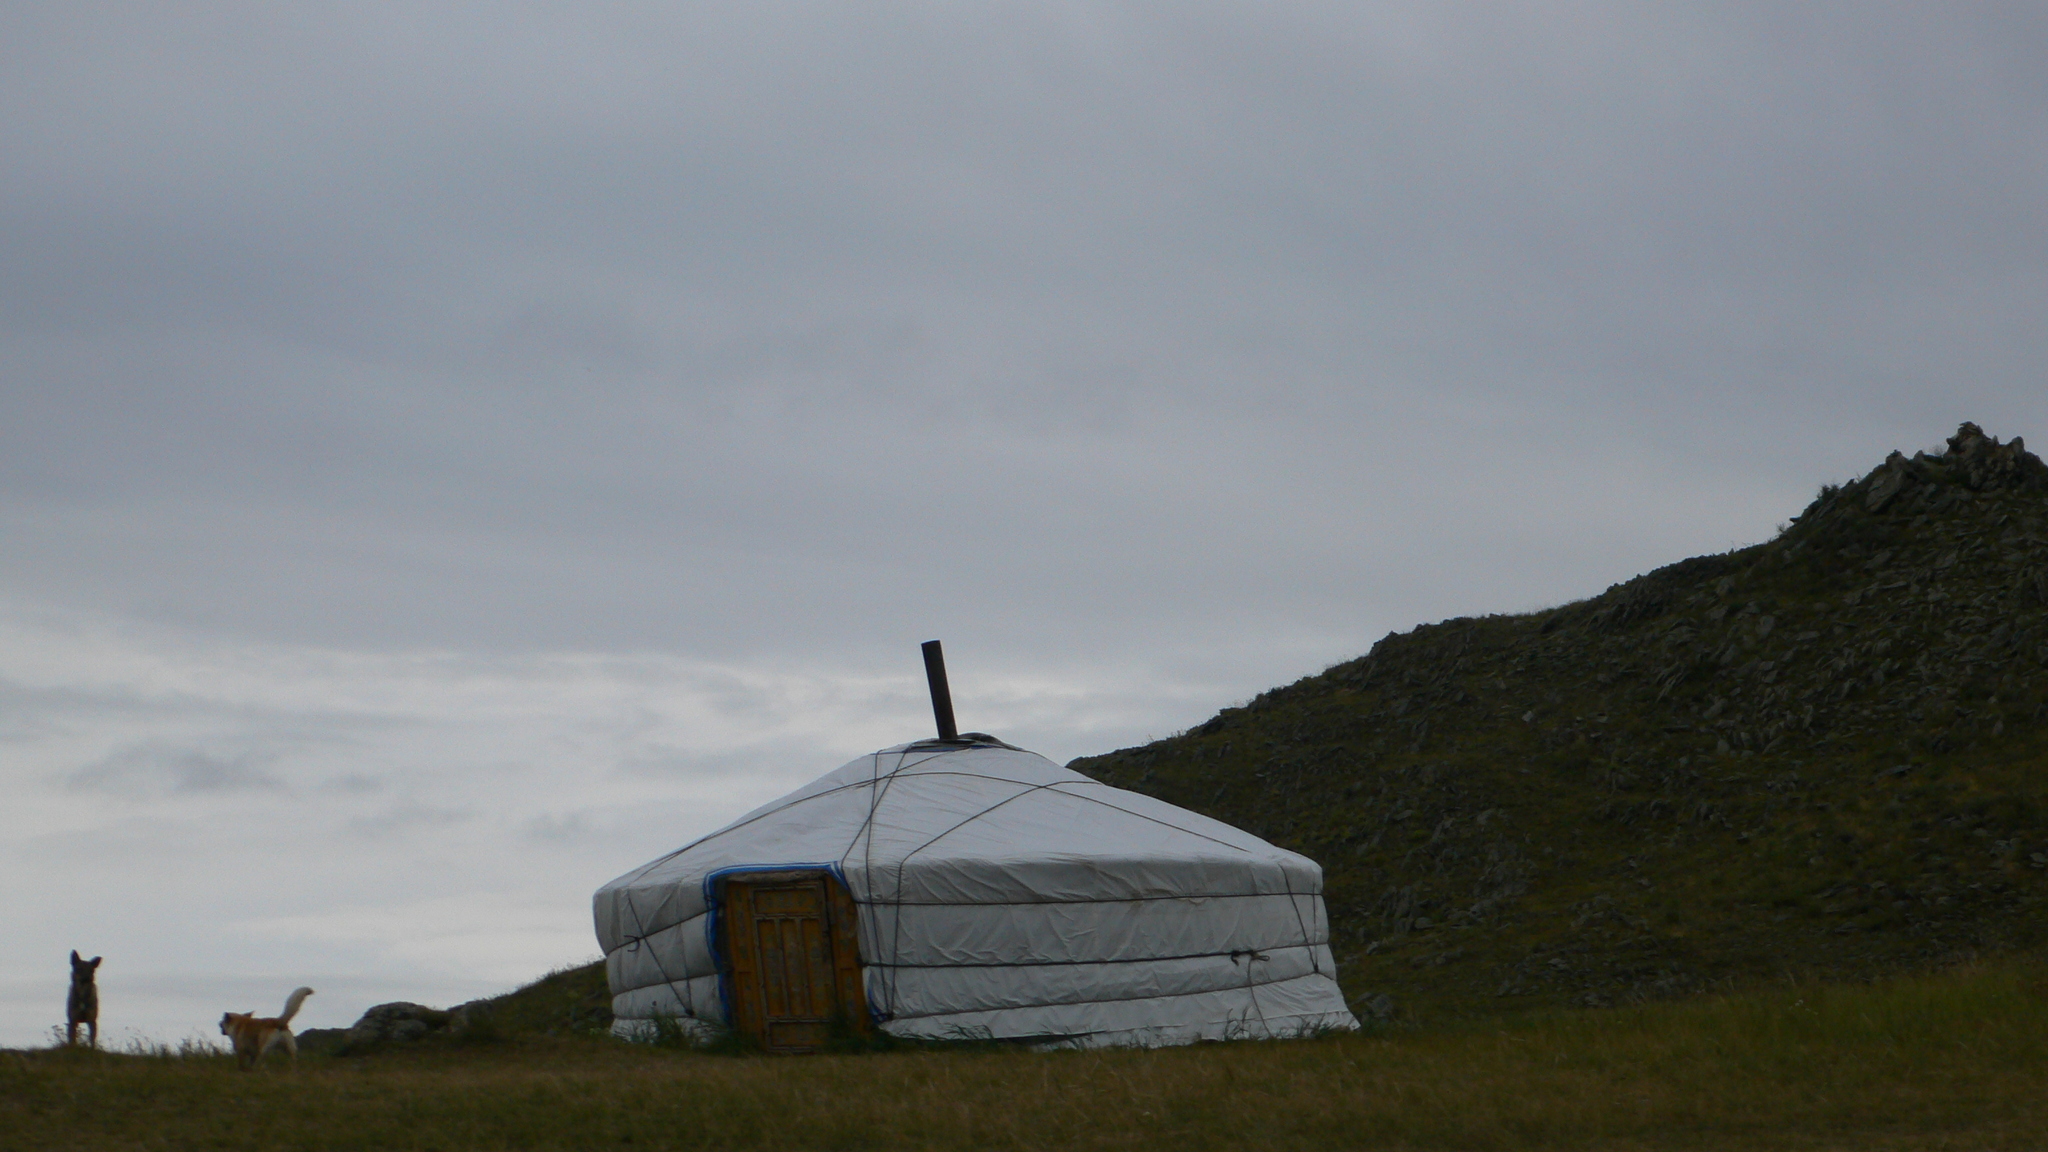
{"x":567,"y":1000}
{"x":1954,"y":1060}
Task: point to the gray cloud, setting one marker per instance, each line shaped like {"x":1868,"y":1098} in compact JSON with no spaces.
{"x":407,"y":816}
{"x":567,"y":828}
{"x":736,"y":328}
{"x":352,"y":784}
{"x":155,"y":769}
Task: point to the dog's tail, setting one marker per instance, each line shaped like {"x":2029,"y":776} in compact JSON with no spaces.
{"x":291,"y":1006}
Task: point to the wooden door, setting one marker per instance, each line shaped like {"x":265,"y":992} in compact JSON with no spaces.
{"x":792,"y":959}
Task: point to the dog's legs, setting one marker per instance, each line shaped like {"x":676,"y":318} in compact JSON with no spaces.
{"x":71,"y":1034}
{"x":272,"y":1041}
{"x":291,"y":1045}
{"x":93,"y":1028}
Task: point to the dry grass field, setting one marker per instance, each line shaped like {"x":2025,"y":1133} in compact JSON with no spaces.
{"x":1958,"y":1060}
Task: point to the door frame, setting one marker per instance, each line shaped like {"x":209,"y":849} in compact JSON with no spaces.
{"x":842,"y":933}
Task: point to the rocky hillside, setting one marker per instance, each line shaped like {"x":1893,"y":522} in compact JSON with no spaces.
{"x":1822,"y":755}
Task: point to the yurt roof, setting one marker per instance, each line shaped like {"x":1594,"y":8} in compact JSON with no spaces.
{"x":967,"y":821}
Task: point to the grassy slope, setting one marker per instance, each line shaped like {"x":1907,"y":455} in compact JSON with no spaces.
{"x":1956,"y":1060}
{"x":568,"y":1001}
{"x":1823,"y":754}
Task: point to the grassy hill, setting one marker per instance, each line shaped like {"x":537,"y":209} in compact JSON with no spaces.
{"x":1826,"y":755}
{"x":574,"y":1001}
{"x":567,"y":1001}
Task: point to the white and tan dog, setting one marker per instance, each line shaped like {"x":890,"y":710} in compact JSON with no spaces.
{"x":252,"y":1036}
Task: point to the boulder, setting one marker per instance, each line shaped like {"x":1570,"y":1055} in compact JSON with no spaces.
{"x":396,"y":1022}
{"x":402,"y":1021}
{"x":1986,"y":464}
{"x":314,"y":1041}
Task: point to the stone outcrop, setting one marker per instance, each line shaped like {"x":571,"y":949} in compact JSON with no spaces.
{"x":402,"y":1022}
{"x":1973,"y":460}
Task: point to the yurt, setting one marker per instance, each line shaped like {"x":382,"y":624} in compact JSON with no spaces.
{"x":964,"y":888}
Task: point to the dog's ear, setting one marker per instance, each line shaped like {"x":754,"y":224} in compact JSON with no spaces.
{"x":96,"y":961}
{"x":74,"y":957}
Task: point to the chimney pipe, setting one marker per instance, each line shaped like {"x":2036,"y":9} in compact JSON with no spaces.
{"x":942,"y":697}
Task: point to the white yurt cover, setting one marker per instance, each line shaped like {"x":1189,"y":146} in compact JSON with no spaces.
{"x":1001,"y":895}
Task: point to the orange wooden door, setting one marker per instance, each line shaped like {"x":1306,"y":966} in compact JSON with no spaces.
{"x":792,"y":959}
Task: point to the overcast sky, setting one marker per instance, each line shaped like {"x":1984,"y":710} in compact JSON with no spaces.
{"x":450,"y":454}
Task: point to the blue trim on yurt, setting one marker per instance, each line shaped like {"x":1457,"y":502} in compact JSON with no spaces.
{"x":714,"y":922}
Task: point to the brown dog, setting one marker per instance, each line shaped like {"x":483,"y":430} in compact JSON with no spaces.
{"x":83,"y":1005}
{"x":253,"y":1036}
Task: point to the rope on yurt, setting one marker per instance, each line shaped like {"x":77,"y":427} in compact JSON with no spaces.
{"x":1251,"y":989}
{"x":636,"y":942}
{"x":644,"y":869}
{"x":1315,"y":961}
{"x":896,"y":918}
{"x":896,"y":941}
{"x":1061,"y":788}
{"x":878,"y":784}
